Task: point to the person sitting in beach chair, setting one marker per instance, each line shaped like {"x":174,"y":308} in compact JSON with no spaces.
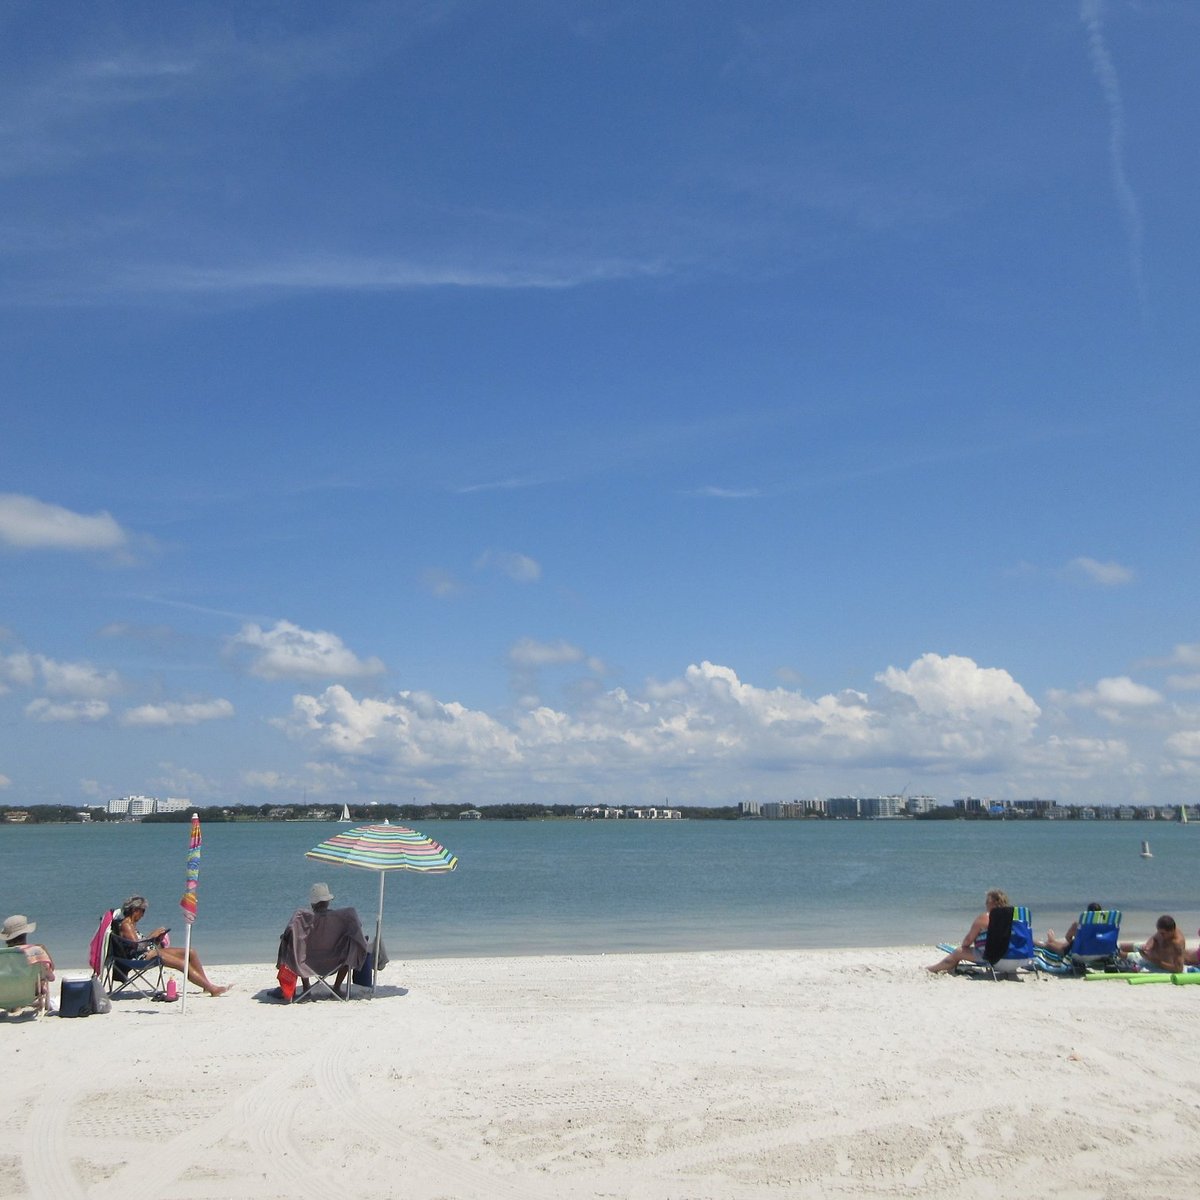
{"x":1062,"y":946}
{"x":1000,"y":940}
{"x":27,"y":986}
{"x":1163,"y":951}
{"x":129,"y":947}
{"x":320,"y":941}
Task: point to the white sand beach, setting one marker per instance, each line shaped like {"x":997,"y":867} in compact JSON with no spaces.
{"x":707,"y":1076}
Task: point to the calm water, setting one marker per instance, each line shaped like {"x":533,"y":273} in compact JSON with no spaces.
{"x":545,"y":887}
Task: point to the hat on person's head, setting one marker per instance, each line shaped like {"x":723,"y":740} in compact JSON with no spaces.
{"x":16,"y":925}
{"x":319,"y":892}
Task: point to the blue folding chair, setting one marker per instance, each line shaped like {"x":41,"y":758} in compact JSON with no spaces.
{"x":1096,"y":939}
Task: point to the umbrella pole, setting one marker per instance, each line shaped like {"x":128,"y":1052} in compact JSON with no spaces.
{"x":378,"y":931}
{"x":187,"y":954}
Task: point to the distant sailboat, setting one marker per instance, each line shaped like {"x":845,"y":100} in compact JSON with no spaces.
{"x":1182,"y":815}
{"x":345,"y":813}
{"x":1146,"y":850}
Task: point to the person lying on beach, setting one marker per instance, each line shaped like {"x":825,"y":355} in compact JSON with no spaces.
{"x":1063,"y":945}
{"x":126,"y":932}
{"x":971,"y":949}
{"x":15,"y":933}
{"x":1164,"y":950}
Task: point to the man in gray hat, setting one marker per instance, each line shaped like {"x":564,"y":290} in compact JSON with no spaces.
{"x":321,"y":940}
{"x":15,"y":933}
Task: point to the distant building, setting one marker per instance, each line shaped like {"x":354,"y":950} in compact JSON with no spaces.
{"x":749,"y":808}
{"x":875,"y":807}
{"x":843,"y":807}
{"x":919,"y":804}
{"x":172,"y":804}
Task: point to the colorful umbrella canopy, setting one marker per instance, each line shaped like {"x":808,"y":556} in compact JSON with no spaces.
{"x":384,"y":848}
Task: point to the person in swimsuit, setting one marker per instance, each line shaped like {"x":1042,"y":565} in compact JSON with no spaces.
{"x":1164,"y":950}
{"x":971,"y":949}
{"x":126,"y":930}
{"x":1063,"y":945}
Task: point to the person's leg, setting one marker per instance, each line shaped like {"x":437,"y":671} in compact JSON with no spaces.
{"x":172,"y":956}
{"x":950,"y":961}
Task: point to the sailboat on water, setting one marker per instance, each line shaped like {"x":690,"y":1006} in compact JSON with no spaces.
{"x":1182,"y":815}
{"x":1146,"y":850}
{"x":345,"y":813}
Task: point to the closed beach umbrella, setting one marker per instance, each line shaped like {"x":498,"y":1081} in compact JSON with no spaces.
{"x":384,"y":848}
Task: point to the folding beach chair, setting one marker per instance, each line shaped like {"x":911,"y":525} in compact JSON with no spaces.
{"x":20,"y":982}
{"x":1095,"y":944}
{"x":318,"y":945}
{"x":123,"y":967}
{"x":1009,"y":946}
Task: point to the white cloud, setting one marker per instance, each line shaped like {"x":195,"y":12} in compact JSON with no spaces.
{"x":1186,"y":654}
{"x":518,"y":567}
{"x":67,"y":710}
{"x":1114,"y":698}
{"x":1105,"y":574}
{"x":938,"y":712}
{"x":1184,"y":683}
{"x":171,"y":713}
{"x":1185,"y":743}
{"x":288,"y":652}
{"x":530,"y":653}
{"x":957,"y":688}
{"x":412,"y":730}
{"x":30,"y":524}
{"x":19,"y":669}
{"x":5,"y":782}
{"x":76,"y":678}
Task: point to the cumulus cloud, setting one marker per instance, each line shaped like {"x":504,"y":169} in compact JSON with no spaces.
{"x":1114,"y":698}
{"x":27,"y":523}
{"x":80,"y":679}
{"x":67,"y":710}
{"x":169,"y":713}
{"x":1104,"y":574}
{"x":938,"y":712}
{"x":285,"y":651}
{"x":1185,"y":743}
{"x":530,"y":653}
{"x":76,"y":678}
{"x":518,"y":567}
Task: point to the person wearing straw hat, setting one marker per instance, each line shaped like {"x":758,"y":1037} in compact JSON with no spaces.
{"x":15,"y":932}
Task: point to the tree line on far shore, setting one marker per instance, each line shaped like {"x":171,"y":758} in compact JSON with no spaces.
{"x":53,"y":814}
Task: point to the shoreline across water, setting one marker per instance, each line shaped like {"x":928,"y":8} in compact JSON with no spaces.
{"x":651,"y":1076}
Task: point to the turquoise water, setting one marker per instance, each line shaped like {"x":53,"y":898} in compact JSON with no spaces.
{"x":550,"y":887}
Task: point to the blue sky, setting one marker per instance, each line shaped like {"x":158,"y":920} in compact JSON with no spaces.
{"x":596,"y":401}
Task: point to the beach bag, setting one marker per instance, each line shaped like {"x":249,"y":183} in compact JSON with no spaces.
{"x":82,"y":998}
{"x":364,"y":976}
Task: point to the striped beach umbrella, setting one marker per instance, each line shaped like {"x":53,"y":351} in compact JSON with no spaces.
{"x":384,"y":848}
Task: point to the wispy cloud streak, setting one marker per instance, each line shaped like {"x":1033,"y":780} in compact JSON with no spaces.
{"x":1090,"y":12}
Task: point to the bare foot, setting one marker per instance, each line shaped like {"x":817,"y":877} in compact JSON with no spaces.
{"x":220,"y":991}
